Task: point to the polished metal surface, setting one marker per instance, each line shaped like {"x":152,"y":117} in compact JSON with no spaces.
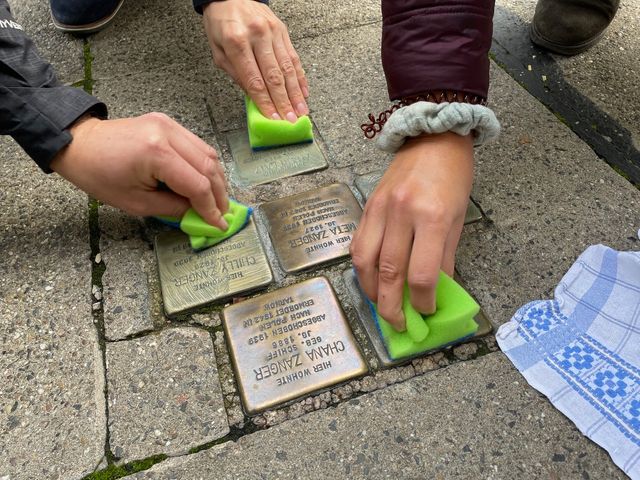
{"x":368,"y":182}
{"x":256,"y":168}
{"x":312,"y":227}
{"x":289,"y":343}
{"x":365,"y":315}
{"x":191,"y":279}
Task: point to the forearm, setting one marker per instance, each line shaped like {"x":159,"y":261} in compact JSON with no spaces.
{"x":35,"y":108}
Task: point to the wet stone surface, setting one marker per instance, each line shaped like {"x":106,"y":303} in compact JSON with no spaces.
{"x":164,"y":394}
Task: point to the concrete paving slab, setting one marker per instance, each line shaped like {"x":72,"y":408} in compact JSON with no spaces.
{"x":164,"y":394}
{"x":129,"y":263}
{"x":307,"y":18}
{"x":607,"y":73}
{"x":64,"y":51}
{"x":126,"y":289}
{"x":52,"y":405}
{"x":147,"y":36}
{"x":403,"y":432}
{"x":548,"y":197}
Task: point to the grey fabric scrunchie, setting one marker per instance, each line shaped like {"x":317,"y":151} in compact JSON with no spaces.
{"x":429,"y":117}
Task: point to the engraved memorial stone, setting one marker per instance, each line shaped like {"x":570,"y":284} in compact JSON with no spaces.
{"x":370,"y":327}
{"x":312,"y":227}
{"x":190,"y":279}
{"x":264,"y":166}
{"x":289,"y":343}
{"x":368,"y":182}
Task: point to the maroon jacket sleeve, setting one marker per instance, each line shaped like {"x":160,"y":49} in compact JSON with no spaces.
{"x":431,"y":45}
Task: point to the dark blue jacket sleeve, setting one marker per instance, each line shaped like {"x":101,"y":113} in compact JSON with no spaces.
{"x":35,"y":108}
{"x":198,"y":4}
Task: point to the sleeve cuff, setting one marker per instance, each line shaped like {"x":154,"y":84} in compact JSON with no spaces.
{"x":199,"y":4}
{"x":44,"y":123}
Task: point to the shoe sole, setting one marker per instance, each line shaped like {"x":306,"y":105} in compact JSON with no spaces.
{"x":89,"y":27}
{"x":568,"y":50}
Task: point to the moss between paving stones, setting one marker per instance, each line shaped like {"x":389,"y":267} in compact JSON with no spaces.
{"x":118,"y":471}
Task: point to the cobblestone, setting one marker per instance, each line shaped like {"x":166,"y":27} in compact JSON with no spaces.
{"x":164,"y":394}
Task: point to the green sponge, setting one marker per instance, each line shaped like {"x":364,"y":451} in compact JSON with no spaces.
{"x":452,"y":321}
{"x":202,"y":235}
{"x":267,"y":133}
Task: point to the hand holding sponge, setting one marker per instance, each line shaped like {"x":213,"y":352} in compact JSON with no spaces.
{"x":452,"y":321}
{"x":201,"y":234}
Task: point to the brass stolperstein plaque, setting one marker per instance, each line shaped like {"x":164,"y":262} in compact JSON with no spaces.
{"x":289,"y":343}
{"x":312,"y":227}
{"x":190,"y":279}
{"x":367,"y":183}
{"x":365,"y":315}
{"x":264,"y":166}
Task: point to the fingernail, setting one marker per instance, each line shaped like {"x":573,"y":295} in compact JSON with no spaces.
{"x":223,"y":223}
{"x":305,"y":92}
{"x":275,"y":116}
{"x":302,"y":109}
{"x":291,"y":117}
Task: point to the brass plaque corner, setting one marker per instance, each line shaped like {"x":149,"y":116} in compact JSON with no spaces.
{"x":290,"y":342}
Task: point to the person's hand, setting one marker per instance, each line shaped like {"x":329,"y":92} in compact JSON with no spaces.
{"x":120,"y":162}
{"x":412,"y":223}
{"x":253,"y":46}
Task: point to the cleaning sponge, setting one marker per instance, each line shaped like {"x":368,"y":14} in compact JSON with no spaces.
{"x":267,"y":133}
{"x":201,"y":234}
{"x":452,"y":321}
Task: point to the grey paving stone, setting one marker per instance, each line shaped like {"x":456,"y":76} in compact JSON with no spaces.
{"x":307,"y":18}
{"x":164,"y":394}
{"x":405,"y":431}
{"x":126,"y":290}
{"x":548,"y":197}
{"x":607,"y":73}
{"x":150,"y":35}
{"x":125,"y":283}
{"x":64,"y":51}
{"x":52,"y":406}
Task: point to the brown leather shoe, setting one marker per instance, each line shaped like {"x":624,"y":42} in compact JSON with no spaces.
{"x":569,"y":27}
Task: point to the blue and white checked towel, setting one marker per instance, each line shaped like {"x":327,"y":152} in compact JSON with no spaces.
{"x":582,"y":350}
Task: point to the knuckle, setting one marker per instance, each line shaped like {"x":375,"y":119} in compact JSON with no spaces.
{"x":156,"y":143}
{"x":210,"y":169}
{"x":389,"y":271}
{"x":401,"y":198}
{"x":202,"y":188}
{"x":235,"y":38}
{"x":159,"y":117}
{"x":255,"y":84}
{"x":359,"y":262}
{"x":295,"y":59}
{"x":421,"y":282}
{"x":287,"y":67}
{"x":259,"y":25}
{"x":274,"y":77}
{"x":433,"y":212}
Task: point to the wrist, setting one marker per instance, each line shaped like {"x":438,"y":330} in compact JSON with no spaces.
{"x":78,"y":130}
